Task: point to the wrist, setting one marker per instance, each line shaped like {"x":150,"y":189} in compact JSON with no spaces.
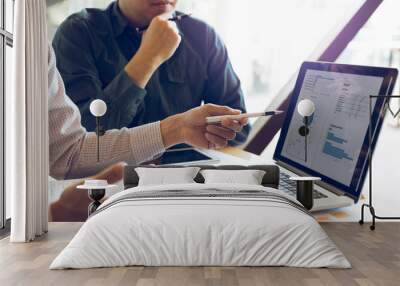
{"x":172,"y":130}
{"x":141,"y":67}
{"x":148,"y":59}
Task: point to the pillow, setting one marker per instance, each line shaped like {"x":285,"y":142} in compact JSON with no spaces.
{"x":244,"y":177}
{"x":166,"y":176}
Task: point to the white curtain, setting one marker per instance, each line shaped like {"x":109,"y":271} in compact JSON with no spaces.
{"x":27,"y":123}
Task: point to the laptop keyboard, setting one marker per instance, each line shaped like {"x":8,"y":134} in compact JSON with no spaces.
{"x":289,"y":187}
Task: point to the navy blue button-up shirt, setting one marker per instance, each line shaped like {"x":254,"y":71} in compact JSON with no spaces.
{"x":93,"y":47}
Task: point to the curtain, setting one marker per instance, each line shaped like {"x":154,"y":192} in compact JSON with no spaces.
{"x":27,"y":123}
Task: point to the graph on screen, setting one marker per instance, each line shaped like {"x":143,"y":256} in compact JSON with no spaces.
{"x":335,"y":145}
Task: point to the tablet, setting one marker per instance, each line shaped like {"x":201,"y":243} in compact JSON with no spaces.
{"x":183,"y":156}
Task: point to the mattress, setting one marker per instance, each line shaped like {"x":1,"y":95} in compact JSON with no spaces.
{"x":201,"y":225}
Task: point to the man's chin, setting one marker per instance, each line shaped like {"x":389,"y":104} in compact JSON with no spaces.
{"x":161,"y":9}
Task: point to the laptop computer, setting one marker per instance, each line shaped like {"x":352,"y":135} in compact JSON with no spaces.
{"x":338,"y":139}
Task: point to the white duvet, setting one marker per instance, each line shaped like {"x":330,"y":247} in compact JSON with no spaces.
{"x":200,"y":231}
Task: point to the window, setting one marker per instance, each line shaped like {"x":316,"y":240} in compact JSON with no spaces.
{"x":268,"y":40}
{"x":378,"y":42}
{"x":6,"y":43}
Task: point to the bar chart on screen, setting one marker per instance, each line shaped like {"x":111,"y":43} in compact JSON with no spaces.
{"x":335,"y":144}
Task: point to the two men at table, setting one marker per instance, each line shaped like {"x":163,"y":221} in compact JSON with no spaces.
{"x":154,"y":80}
{"x":143,"y":77}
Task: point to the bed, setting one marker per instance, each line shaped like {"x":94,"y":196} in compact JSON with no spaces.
{"x":197,"y":224}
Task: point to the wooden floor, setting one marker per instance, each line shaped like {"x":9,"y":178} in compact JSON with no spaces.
{"x":375,"y":257}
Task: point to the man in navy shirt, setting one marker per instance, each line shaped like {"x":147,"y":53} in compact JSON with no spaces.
{"x":143,"y":76}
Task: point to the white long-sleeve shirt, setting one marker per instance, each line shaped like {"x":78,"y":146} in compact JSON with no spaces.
{"x":73,"y":150}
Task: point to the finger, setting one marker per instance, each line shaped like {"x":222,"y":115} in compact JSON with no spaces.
{"x":232,"y":124}
{"x":215,"y":110}
{"x":112,"y":174}
{"x":216,"y":140}
{"x":163,"y":17}
{"x":157,"y":21}
{"x":166,"y":16}
{"x":221,"y":132}
{"x":244,"y":121}
{"x":173,"y":26}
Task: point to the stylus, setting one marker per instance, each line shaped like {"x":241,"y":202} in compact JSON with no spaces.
{"x":172,"y":19}
{"x":218,"y":119}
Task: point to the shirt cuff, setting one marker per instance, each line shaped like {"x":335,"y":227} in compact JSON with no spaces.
{"x":146,"y":142}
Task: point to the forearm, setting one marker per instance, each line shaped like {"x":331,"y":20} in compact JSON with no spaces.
{"x":159,"y":43}
{"x":134,"y":146}
{"x":141,"y":68}
{"x":123,"y":97}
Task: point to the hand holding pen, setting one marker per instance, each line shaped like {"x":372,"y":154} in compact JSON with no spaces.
{"x":159,"y":43}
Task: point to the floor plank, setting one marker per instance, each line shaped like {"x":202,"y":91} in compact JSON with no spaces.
{"x":375,"y":257}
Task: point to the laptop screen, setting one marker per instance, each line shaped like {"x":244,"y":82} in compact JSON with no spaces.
{"x":338,"y":132}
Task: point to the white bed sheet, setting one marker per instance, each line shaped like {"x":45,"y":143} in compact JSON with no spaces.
{"x":200,"y":232}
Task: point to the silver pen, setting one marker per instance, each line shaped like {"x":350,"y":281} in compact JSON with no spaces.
{"x":176,"y":18}
{"x":218,"y":119}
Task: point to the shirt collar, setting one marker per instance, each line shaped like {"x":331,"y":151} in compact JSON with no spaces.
{"x":178,"y":24}
{"x":120,"y":23}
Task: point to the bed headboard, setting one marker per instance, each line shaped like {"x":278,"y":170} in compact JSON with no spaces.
{"x":270,"y":179}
